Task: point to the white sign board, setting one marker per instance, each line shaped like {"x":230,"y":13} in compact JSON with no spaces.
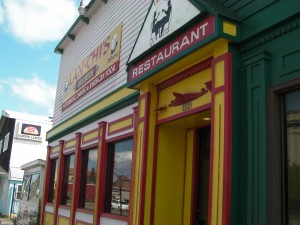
{"x":164,"y":18}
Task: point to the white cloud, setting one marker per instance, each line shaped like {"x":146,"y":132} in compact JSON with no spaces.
{"x":39,"y":21}
{"x":1,"y":14}
{"x":35,"y":91}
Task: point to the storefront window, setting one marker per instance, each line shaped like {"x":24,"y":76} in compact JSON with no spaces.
{"x":53,"y":180}
{"x":34,"y":188}
{"x":26,"y":185}
{"x":119,"y":177}
{"x":292,"y":155}
{"x":19,"y":192}
{"x":30,"y":188}
{"x":68,"y":180}
{"x":88,"y":179}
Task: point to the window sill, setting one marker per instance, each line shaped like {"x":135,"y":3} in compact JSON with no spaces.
{"x":114,"y":216}
{"x":87,"y":211}
{"x":64,"y":207}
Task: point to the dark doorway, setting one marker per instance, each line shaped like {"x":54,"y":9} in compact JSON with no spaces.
{"x":202,"y":175}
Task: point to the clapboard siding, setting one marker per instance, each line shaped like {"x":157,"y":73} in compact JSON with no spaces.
{"x":109,"y":16}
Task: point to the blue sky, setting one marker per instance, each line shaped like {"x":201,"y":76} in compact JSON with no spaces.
{"x":29,"y":32}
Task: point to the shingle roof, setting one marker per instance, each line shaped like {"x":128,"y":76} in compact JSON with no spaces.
{"x":217,"y":8}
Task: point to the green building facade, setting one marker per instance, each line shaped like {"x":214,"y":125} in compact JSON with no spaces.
{"x":266,"y":82}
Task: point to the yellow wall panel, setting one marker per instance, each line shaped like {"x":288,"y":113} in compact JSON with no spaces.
{"x":218,"y":160}
{"x":120,"y":125}
{"x":48,"y":219}
{"x":142,"y":105}
{"x":229,"y":28}
{"x":55,"y":149}
{"x":63,"y":221}
{"x":70,"y":144}
{"x":219,"y":74}
{"x":188,"y":177}
{"x":90,"y":136}
{"x":169,"y":196}
{"x":193,"y":84}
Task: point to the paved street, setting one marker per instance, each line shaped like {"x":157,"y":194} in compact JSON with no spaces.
{"x":4,"y":221}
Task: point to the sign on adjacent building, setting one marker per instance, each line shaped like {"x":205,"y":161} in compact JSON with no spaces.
{"x":29,"y":132}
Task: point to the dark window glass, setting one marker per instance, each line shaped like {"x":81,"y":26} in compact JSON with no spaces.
{"x":88,"y":179}
{"x":34,"y":188}
{"x":53,"y":180}
{"x":19,"y":192}
{"x":119,"y":177}
{"x":68,"y":180}
{"x":202,"y":177}
{"x":292,"y":156}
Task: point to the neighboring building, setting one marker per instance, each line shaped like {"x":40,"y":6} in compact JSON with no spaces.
{"x":22,"y":139}
{"x":31,"y":193}
{"x":181,"y":112}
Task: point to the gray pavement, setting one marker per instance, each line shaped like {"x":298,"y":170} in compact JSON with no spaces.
{"x":4,"y":221}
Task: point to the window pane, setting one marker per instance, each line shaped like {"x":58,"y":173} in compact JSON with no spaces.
{"x":293,"y":156}
{"x":34,"y":188}
{"x":119,"y":177}
{"x":53,"y":180}
{"x":68,"y":180}
{"x":19,"y":192}
{"x":88,"y":188}
{"x":6,"y":140}
{"x":26,"y":185}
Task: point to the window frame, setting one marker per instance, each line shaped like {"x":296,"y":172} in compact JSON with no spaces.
{"x":1,"y":144}
{"x":52,"y":183}
{"x":109,"y":176}
{"x":277,"y":187}
{"x":18,"y":192}
{"x":6,"y":142}
{"x":29,"y":182}
{"x":83,"y":177}
{"x":66,"y":174}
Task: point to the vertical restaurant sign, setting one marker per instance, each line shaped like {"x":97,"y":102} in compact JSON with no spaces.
{"x":194,"y":35}
{"x":94,"y":69}
{"x":29,"y":131}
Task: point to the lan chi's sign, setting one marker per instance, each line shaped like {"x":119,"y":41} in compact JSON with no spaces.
{"x":98,"y":66}
{"x":191,"y":37}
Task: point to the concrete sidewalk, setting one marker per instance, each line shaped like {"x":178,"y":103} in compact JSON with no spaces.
{"x":4,"y":221}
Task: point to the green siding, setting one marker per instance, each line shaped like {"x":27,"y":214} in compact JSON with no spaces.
{"x":269,"y":52}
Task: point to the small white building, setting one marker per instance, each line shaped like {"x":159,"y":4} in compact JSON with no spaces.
{"x":32,"y":190}
{"x":22,"y":139}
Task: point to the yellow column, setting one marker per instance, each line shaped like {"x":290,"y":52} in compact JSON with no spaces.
{"x":221,"y":136}
{"x":143,"y":157}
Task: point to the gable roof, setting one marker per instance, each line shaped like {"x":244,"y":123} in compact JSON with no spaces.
{"x":91,"y":8}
